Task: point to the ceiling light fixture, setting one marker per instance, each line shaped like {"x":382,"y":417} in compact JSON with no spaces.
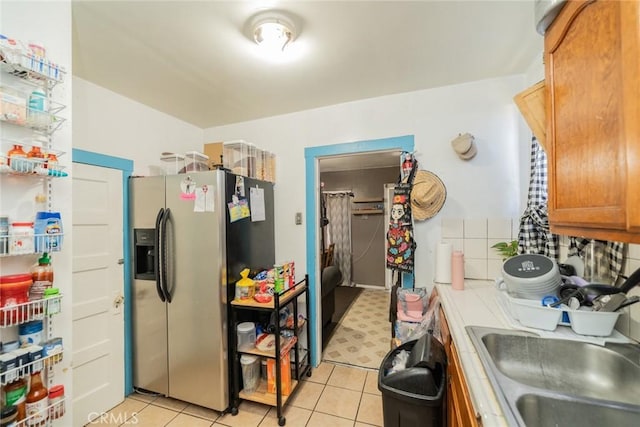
{"x":273,"y":31}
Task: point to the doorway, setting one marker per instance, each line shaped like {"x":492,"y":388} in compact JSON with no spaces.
{"x":312,"y":197}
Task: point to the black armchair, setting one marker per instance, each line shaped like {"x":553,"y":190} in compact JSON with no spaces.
{"x":331,"y":278}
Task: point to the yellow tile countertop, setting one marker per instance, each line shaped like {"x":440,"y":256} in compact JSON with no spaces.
{"x":475,"y":306}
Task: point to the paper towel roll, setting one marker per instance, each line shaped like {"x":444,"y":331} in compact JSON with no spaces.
{"x":443,"y":262}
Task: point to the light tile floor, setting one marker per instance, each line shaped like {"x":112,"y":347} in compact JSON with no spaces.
{"x":335,"y":395}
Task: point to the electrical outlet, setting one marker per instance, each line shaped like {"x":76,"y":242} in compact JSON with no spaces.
{"x":298,"y":218}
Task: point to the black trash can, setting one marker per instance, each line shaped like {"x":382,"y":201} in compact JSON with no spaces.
{"x":415,"y":396}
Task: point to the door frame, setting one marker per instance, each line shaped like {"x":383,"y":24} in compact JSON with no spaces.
{"x":312,"y":194}
{"x":126,"y":166}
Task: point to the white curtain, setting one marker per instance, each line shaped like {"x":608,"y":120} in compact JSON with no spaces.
{"x":339,"y":232}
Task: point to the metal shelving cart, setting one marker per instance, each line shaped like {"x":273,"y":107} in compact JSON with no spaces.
{"x":301,"y":361}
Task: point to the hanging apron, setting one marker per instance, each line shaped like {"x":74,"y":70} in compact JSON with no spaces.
{"x":400,"y":243}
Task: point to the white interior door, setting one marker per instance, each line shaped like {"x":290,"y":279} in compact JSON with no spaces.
{"x":98,"y":286}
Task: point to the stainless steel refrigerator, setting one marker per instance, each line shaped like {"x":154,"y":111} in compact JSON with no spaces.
{"x":187,"y":255}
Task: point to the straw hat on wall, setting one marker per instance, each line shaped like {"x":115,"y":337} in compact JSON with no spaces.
{"x":427,"y":195}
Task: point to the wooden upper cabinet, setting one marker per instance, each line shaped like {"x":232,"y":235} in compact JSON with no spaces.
{"x":592,"y":71}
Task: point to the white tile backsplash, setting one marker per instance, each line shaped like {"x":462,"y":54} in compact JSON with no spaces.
{"x":630,"y":266}
{"x":564,"y":252}
{"x":475,"y":248}
{"x":491,"y":252}
{"x":456,"y":244}
{"x":634,"y":316}
{"x":471,"y":236}
{"x":499,"y":228}
{"x":452,"y":228}
{"x":475,"y":268}
{"x":494,"y":268}
{"x":634,"y":251}
{"x":475,"y":228}
{"x":515,"y":228}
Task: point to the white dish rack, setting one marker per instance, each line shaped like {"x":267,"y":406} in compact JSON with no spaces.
{"x":583,"y":321}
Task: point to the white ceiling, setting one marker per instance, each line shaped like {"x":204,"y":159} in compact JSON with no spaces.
{"x":193,"y":60}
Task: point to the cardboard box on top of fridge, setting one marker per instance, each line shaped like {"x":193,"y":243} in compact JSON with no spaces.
{"x":214,"y":151}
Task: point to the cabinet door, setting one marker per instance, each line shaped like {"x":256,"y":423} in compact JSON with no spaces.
{"x":592,"y":113}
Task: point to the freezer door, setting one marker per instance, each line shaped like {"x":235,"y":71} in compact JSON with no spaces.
{"x":250,"y":244}
{"x":197,"y":312}
{"x":149,"y":313}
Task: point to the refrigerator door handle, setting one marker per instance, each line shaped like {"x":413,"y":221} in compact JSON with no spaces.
{"x":157,"y":251}
{"x":166,"y":254}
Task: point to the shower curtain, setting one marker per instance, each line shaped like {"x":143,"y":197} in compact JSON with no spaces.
{"x":339,"y":231}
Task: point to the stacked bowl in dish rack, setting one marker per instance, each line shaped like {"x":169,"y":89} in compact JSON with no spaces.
{"x":531,"y":276}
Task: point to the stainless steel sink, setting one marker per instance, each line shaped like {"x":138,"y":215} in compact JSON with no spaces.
{"x":544,"y":411}
{"x":549,"y":382}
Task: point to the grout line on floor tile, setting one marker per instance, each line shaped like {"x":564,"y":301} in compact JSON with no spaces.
{"x":324,"y":386}
{"x":218,"y":415}
{"x":337,"y":416}
{"x":358,"y":411}
{"x":174,"y":417}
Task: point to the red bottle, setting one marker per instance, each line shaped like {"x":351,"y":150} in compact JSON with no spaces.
{"x":37,"y":401}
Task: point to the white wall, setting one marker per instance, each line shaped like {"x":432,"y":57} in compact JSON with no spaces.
{"x":108,"y":123}
{"x":490,"y":185}
{"x":532,"y":75}
{"x":50,"y":24}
